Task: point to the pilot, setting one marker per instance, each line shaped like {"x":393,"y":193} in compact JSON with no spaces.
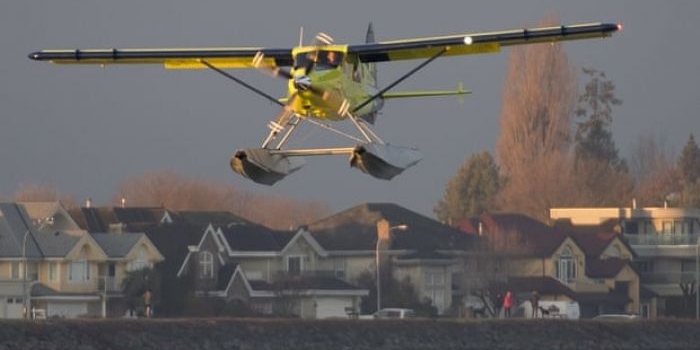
{"x":332,"y":59}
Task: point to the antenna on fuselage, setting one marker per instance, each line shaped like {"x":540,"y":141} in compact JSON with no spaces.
{"x":301,"y":35}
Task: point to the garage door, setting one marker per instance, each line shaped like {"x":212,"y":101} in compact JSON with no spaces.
{"x":13,"y":307}
{"x":67,"y":310}
{"x":332,"y":307}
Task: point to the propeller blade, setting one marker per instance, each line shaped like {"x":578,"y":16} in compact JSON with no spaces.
{"x":323,"y":39}
{"x":280,"y":123}
{"x":259,"y":62}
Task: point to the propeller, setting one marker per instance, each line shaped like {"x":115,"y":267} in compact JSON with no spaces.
{"x":301,"y":81}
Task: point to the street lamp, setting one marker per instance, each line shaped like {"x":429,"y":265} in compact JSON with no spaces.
{"x":41,"y":223}
{"x":383,"y":231}
{"x":697,"y":278}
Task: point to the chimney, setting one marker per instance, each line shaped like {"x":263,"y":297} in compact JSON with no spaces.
{"x":123,"y":202}
{"x":634,"y":203}
{"x":88,"y":202}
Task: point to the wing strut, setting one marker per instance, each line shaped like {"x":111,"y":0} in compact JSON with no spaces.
{"x":399,"y":80}
{"x":243,"y":83}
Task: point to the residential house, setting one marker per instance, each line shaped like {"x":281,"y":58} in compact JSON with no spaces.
{"x":50,"y":267}
{"x":274,"y":272}
{"x":560,"y":262}
{"x":385,"y":239}
{"x":665,"y":241}
{"x":313,"y":271}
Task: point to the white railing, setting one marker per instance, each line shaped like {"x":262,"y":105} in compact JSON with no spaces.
{"x":662,"y":239}
{"x":108,"y":284}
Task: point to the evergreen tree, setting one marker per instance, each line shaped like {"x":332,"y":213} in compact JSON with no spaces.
{"x":689,"y":173}
{"x":472,"y":191}
{"x":594,"y":139}
{"x":689,"y":162}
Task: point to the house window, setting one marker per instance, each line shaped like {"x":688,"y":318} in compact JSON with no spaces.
{"x":14,"y":270}
{"x":295,"y":265}
{"x":79,"y":270}
{"x":644,"y":265}
{"x":667,"y":227}
{"x":631,"y":227}
{"x":339,"y":268}
{"x":681,"y":227}
{"x":566,"y":266}
{"x":206,"y":264}
{"x":53,"y":271}
{"x":141,"y":261}
{"x":649,"y":227}
{"x":32,"y":271}
{"x":434,"y":282}
{"x":644,"y":310}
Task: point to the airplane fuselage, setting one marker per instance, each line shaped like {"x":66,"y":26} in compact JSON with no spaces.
{"x":327,"y":85}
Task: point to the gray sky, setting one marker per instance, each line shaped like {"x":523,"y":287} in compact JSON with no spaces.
{"x":84,"y":129}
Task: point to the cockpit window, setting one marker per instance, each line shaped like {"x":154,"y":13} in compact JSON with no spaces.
{"x":326,"y":59}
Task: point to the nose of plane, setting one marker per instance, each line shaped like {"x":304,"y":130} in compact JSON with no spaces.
{"x":302,"y":82}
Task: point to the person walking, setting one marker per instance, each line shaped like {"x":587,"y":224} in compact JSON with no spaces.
{"x":147,"y":302}
{"x":507,"y":303}
{"x":535,"y":301}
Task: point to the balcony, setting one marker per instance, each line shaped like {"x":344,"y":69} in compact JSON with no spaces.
{"x":666,"y":277}
{"x":108,"y":284}
{"x":662,"y":239}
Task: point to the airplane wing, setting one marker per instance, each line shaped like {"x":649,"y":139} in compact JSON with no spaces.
{"x":183,"y":58}
{"x":476,"y":43}
{"x":236,"y":57}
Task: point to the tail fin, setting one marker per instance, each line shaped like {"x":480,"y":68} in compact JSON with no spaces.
{"x":371,"y":69}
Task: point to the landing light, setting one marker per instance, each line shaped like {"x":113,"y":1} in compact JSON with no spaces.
{"x":619,"y":26}
{"x":468,"y":40}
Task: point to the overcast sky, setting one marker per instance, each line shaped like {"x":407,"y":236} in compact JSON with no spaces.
{"x":83,"y":130}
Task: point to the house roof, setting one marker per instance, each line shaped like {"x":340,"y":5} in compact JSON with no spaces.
{"x":305,"y":282}
{"x":99,"y":219}
{"x":225,"y":274}
{"x":424,"y":255}
{"x":356,"y":229}
{"x":172,"y":241}
{"x":518,"y":233}
{"x":543,"y":285}
{"x":15,"y":223}
{"x":203,"y":218}
{"x":605,"y":268}
{"x":254,"y":237}
{"x":117,"y":245}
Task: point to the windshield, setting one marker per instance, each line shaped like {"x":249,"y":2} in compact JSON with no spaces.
{"x":326,"y":60}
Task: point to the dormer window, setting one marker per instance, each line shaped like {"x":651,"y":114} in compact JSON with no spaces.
{"x":295,"y":265}
{"x":566,"y":265}
{"x":206,"y":264}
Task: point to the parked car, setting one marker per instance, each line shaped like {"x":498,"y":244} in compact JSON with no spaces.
{"x":390,"y":313}
{"x":616,"y":317}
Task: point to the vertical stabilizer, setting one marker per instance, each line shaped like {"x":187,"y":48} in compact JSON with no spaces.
{"x":371,"y":67}
{"x":371,"y":73}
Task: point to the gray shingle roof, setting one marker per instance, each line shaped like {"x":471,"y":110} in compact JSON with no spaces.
{"x":356,"y":229}
{"x":117,"y":245}
{"x":253,"y":237}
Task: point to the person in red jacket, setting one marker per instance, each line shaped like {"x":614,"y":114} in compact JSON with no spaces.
{"x":507,"y":303}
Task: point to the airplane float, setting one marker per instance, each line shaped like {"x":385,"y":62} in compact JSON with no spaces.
{"x":327,"y":83}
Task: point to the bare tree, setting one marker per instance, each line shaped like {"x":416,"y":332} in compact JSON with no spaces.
{"x":31,"y":192}
{"x":539,"y":97}
{"x":174,"y":191}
